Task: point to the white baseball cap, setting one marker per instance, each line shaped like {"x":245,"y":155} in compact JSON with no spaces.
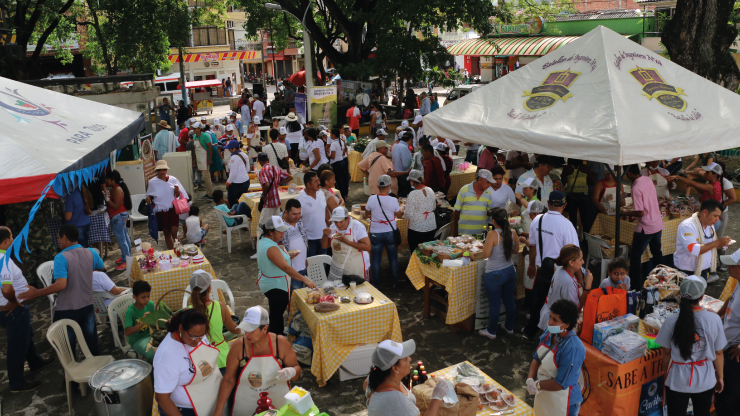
{"x":230,"y":127}
{"x":713,"y":167}
{"x":416,"y":176}
{"x":388,"y":352}
{"x":384,"y":180}
{"x":693,"y":287}
{"x":381,"y":132}
{"x":203,"y":119}
{"x":530,"y":183}
{"x":536,"y":207}
{"x":405,"y":123}
{"x":417,"y":120}
{"x":254,"y":317}
{"x":256,"y":119}
{"x":197,"y":125}
{"x":339,"y":214}
{"x":283,"y":131}
{"x":485,"y":173}
{"x":192,"y":120}
{"x":276,"y":223}
{"x":200,"y":279}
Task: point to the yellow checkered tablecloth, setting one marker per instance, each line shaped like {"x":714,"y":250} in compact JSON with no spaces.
{"x":174,"y":278}
{"x":336,"y":334}
{"x":402,"y":223}
{"x":460,"y":179}
{"x":521,"y":408}
{"x":254,"y":201}
{"x":605,"y":224}
{"x":459,"y":282}
{"x":355,"y":172}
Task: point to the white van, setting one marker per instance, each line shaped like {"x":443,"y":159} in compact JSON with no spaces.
{"x":461,"y":91}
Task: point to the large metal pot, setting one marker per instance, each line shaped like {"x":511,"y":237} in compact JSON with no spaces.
{"x":123,"y":388}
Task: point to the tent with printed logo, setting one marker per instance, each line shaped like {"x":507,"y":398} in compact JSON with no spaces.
{"x":50,"y":143}
{"x":602,"y":98}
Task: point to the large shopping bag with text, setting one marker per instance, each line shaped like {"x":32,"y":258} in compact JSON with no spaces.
{"x":602,"y":304}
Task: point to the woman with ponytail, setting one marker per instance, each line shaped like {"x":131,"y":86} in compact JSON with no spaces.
{"x":689,"y":340}
{"x":500,"y":278}
{"x":118,"y":201}
{"x":570,"y":281}
{"x":185,"y":383}
{"x":217,"y":313}
{"x":385,"y":390}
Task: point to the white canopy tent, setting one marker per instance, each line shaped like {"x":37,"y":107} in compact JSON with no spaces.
{"x":601,"y":98}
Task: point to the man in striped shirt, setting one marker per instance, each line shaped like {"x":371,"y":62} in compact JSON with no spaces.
{"x":270,"y":175}
{"x":473,"y":203}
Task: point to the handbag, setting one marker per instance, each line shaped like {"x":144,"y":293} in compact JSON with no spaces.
{"x":264,"y":194}
{"x":181,"y":205}
{"x":143,"y":208}
{"x":281,"y":162}
{"x":396,"y":232}
{"x":601,"y":305}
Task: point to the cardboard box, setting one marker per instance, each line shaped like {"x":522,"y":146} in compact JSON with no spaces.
{"x":358,"y":363}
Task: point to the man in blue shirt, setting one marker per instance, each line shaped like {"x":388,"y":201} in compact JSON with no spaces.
{"x":402,"y":162}
{"x":162,"y":143}
{"x":72,"y":283}
{"x":164,"y":110}
{"x":426,"y":105}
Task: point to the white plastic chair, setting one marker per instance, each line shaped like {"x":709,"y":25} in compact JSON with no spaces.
{"x":73,"y":371}
{"x":222,"y":222}
{"x":118,"y":308}
{"x":216,"y":285}
{"x":99,"y":298}
{"x":594,"y":252}
{"x":441,"y":234}
{"x":45,"y":272}
{"x":316,"y":270}
{"x":134,"y":214}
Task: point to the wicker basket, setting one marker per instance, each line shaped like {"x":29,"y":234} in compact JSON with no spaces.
{"x":476,"y":255}
{"x":650,"y":329}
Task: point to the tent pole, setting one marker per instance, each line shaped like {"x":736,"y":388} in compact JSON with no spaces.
{"x":619,"y":211}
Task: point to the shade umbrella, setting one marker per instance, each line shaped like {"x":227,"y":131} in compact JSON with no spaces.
{"x":299,"y":78}
{"x":602,"y":98}
{"x":50,"y":142}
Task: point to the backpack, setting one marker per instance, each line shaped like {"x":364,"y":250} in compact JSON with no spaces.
{"x":602,"y":304}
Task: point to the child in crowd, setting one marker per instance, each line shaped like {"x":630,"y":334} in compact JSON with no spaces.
{"x":617,"y":272}
{"x":239,"y":209}
{"x":194,"y":228}
{"x":137,"y":331}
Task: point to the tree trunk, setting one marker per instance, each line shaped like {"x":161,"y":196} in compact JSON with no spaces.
{"x":698,"y":38}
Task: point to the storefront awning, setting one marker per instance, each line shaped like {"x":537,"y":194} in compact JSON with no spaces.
{"x":214,"y":56}
{"x":522,"y":46}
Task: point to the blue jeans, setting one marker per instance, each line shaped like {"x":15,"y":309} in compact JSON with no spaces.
{"x":241,"y":209}
{"x":20,"y":344}
{"x":314,"y":248}
{"x":118,"y":225}
{"x":573,"y":409}
{"x":377,"y":242}
{"x":84,"y":234}
{"x":727,"y":403}
{"x":641,"y":241}
{"x":85,"y":318}
{"x":501,"y":285}
{"x":471,"y":156}
{"x":297,"y":284}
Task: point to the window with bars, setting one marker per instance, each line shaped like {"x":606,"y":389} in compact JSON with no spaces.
{"x":209,"y":35}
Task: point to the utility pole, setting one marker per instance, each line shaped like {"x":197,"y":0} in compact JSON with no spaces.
{"x":182,"y":77}
{"x":262,"y":75}
{"x":308,"y":64}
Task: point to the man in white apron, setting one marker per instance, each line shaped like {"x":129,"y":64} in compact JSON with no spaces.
{"x":350,"y":250}
{"x":557,"y":364}
{"x":658,"y":176}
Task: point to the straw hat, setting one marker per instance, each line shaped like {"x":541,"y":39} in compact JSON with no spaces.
{"x":164,"y":124}
{"x":161,"y":165}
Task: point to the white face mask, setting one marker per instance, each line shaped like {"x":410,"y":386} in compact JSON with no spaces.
{"x":554,"y":329}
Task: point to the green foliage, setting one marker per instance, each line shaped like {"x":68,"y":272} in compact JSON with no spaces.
{"x":521,"y":11}
{"x":446,"y":79}
{"x":428,"y":260}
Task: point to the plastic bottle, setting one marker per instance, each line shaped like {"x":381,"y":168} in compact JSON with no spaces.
{"x":649,"y":302}
{"x":415,"y":381}
{"x":466,"y":258}
{"x":423,"y":377}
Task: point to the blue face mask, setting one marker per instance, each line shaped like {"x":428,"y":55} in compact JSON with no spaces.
{"x":554,"y":329}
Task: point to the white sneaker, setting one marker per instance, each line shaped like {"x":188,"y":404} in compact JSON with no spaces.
{"x":504,"y":328}
{"x":254,"y":256}
{"x":485,"y":333}
{"x":712,"y":278}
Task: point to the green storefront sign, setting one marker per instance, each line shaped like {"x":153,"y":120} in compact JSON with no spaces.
{"x":532,"y":27}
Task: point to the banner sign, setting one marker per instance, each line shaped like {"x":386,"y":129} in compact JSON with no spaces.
{"x":324,"y":106}
{"x":300,"y":104}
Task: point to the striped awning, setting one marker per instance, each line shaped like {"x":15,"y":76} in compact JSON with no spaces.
{"x":214,"y":56}
{"x":523,"y":46}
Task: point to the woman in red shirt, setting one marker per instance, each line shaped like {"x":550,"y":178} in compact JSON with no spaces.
{"x":118,"y":201}
{"x":712,"y":188}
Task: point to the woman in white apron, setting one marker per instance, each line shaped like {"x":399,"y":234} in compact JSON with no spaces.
{"x":557,"y":364}
{"x":253,"y":137}
{"x":258,"y":362}
{"x":351,"y":249}
{"x":659,"y":177}
{"x":694,"y":342}
{"x":566,"y":281}
{"x":605,"y":193}
{"x":186,"y":376}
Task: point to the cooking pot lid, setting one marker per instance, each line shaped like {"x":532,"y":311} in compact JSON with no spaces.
{"x":120,"y":375}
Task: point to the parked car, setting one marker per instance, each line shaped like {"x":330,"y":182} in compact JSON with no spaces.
{"x":461,"y":91}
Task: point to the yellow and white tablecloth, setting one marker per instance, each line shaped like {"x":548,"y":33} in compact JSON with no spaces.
{"x":728,"y":289}
{"x":253,"y":201}
{"x":606,"y":224}
{"x":174,"y":278}
{"x":355,"y":172}
{"x":459,"y":282}
{"x":336,"y":334}
{"x":402,"y":223}
{"x":521,"y":408}
{"x":460,"y":179}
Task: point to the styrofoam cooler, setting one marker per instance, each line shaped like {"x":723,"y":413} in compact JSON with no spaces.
{"x":456,"y":160}
{"x":358,"y":364}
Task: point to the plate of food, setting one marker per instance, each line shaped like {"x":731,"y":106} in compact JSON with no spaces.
{"x":509,"y":399}
{"x":485,"y":388}
{"x":499,"y":404}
